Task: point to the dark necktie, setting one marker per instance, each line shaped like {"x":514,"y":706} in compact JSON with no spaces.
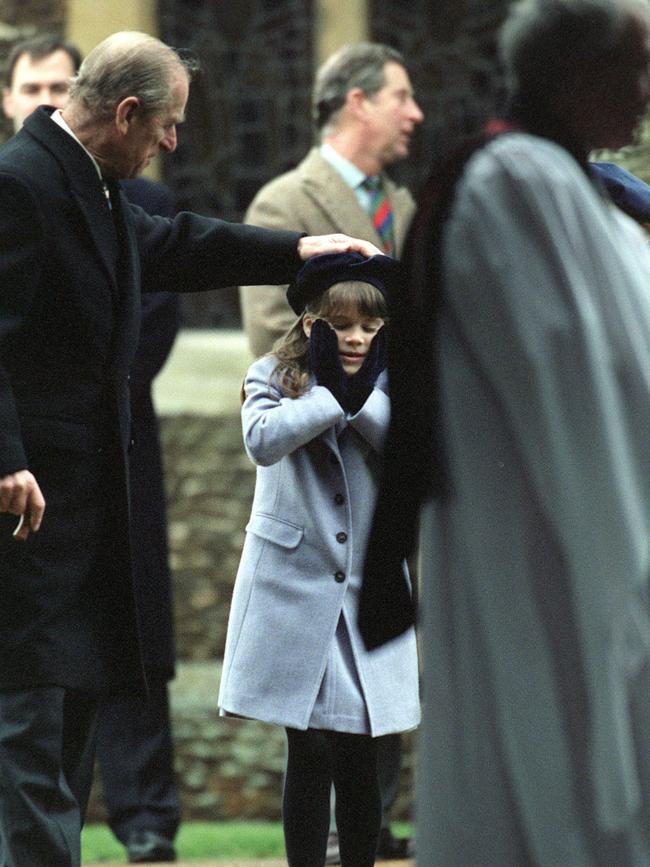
{"x":380,"y":212}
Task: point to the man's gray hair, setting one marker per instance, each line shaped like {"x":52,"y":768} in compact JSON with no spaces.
{"x":543,"y":42}
{"x":128,"y":64}
{"x":359,"y":65}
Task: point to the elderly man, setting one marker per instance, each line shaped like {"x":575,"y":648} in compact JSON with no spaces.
{"x":134,"y":743}
{"x":536,"y":640}
{"x":365,"y":114}
{"x":73,"y":260}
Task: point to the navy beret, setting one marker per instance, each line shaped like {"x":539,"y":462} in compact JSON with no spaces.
{"x":321,"y":272}
{"x":627,"y":191}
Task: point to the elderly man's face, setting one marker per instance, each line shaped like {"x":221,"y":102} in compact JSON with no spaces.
{"x":37,"y":82}
{"x":150,"y":134}
{"x":612,"y":98}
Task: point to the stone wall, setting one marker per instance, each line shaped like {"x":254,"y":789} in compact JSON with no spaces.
{"x":210,"y":483}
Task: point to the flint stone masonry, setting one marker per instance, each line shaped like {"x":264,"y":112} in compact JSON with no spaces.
{"x":210,"y":483}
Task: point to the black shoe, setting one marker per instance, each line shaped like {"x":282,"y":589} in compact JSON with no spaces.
{"x":148,"y":847}
{"x":390,"y":848}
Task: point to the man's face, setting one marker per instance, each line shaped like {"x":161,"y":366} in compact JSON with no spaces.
{"x":37,"y":82}
{"x":150,"y":134}
{"x":392,"y":116}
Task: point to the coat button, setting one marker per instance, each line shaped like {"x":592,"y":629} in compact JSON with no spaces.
{"x":341,"y":537}
{"x":339,"y":577}
{"x":334,"y":460}
{"x":339,"y":499}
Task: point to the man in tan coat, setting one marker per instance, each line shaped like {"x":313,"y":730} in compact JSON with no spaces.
{"x":365,"y":115}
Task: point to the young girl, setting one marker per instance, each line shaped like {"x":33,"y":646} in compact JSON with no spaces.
{"x":314,"y":417}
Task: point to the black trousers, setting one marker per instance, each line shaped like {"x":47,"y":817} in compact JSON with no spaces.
{"x":136,"y":759}
{"x":46,"y":762}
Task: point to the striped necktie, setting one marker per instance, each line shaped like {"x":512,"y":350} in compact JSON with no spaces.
{"x":380,"y":212}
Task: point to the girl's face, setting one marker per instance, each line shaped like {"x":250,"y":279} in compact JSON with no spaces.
{"x":355,"y":333}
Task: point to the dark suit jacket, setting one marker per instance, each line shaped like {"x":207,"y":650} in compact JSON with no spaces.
{"x":71,"y":271}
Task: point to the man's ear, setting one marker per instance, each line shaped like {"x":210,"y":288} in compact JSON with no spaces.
{"x":125,"y":113}
{"x":355,"y":101}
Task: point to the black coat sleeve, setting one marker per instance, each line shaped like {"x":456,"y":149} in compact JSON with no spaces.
{"x":192,"y":253}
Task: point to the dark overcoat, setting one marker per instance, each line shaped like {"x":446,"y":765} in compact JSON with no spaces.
{"x":160,"y":322}
{"x":71,"y":272}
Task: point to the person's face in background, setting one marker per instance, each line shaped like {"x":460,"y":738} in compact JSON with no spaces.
{"x":391,"y":116}
{"x":37,"y":82}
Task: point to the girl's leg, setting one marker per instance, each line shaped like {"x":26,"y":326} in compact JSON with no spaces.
{"x":358,"y":798}
{"x":306,"y":801}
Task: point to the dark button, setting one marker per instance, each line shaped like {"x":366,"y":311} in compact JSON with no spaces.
{"x":341,"y":537}
{"x":339,"y":577}
{"x":339,"y":499}
{"x":334,"y":460}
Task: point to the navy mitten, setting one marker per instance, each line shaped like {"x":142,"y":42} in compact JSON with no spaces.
{"x":359,"y":387}
{"x":324,"y":359}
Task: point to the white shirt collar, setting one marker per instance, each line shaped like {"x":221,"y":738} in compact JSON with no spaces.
{"x":57,"y":117}
{"x":351,"y":174}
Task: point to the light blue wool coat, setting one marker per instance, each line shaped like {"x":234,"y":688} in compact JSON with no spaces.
{"x":293,"y":653}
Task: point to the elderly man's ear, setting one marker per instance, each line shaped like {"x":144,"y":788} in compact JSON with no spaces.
{"x":126,"y":112}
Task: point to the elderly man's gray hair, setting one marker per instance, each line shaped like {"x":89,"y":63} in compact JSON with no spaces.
{"x":359,"y":65}
{"x":128,"y":64}
{"x":542,"y":42}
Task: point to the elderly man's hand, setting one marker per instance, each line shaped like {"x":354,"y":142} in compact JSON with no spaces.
{"x":20,"y":495}
{"x":314,"y":245}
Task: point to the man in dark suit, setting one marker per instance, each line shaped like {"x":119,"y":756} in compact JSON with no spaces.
{"x":74,"y":256}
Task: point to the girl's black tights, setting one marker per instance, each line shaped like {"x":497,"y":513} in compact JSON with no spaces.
{"x":316,"y":759}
